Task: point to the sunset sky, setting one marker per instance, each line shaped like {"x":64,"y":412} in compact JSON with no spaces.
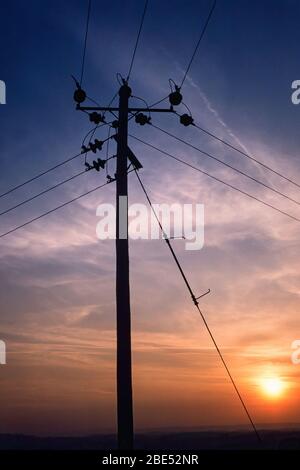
{"x":57,"y":290}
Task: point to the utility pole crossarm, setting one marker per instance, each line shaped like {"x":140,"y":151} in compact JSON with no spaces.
{"x":130,"y":110}
{"x":125,"y":159}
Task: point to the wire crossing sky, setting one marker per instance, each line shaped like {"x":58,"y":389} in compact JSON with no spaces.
{"x":237,"y":61}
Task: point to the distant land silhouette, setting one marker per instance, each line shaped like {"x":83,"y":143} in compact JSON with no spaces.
{"x":196,"y":440}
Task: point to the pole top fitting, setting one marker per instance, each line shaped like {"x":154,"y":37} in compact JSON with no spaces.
{"x":125,"y":90}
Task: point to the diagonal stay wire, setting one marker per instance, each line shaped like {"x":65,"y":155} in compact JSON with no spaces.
{"x":237,"y":170}
{"x":196,"y":303}
{"x":163,"y":152}
{"x":199,"y":41}
{"x":137,"y":39}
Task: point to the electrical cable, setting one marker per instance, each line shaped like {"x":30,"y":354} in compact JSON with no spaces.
{"x":55,"y":209}
{"x":252,"y":178}
{"x":216,"y":179}
{"x":228,"y":144}
{"x":43,"y":192}
{"x":59,"y":207}
{"x":85,"y":40}
{"x":40,"y":174}
{"x":199,"y":41}
{"x":137,"y":39}
{"x":196,"y":303}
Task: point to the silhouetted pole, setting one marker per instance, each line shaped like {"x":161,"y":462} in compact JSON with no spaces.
{"x":124,"y":154}
{"x":124,"y":372}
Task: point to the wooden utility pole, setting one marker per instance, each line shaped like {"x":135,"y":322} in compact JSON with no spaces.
{"x":124,"y":370}
{"x":124,"y":155}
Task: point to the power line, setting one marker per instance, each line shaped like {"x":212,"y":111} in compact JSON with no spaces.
{"x":55,"y":209}
{"x":111,"y":102}
{"x":43,"y":192}
{"x":92,"y":132}
{"x":245,"y":154}
{"x":196,"y":303}
{"x":216,"y":179}
{"x":40,"y":174}
{"x":199,"y":41}
{"x":137,"y":39}
{"x":85,"y":40}
{"x":252,"y":178}
{"x":158,"y":102}
{"x":60,"y":206}
{"x":48,"y":170}
{"x":194,"y":53}
{"x":107,"y":106}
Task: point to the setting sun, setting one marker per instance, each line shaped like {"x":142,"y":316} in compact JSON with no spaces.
{"x":272,"y":386}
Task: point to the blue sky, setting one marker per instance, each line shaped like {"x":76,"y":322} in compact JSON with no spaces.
{"x":246,"y":62}
{"x":247,"y":59}
{"x":52,"y":307}
{"x":245,"y":66}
